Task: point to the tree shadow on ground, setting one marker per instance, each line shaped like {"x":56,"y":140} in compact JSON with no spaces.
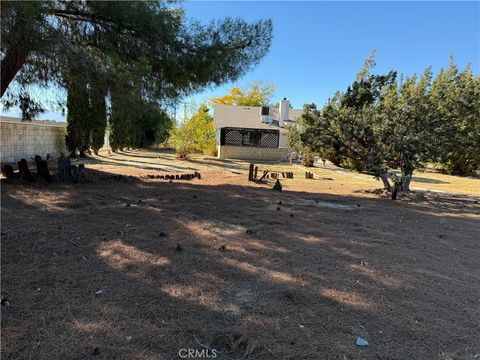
{"x":294,"y":279}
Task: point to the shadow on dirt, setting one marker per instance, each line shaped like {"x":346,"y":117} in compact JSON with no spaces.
{"x":139,"y":270}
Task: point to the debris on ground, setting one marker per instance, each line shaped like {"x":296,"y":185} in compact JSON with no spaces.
{"x":361,"y":342}
{"x":249,"y":232}
{"x":223,"y":248}
{"x":5,"y":302}
{"x":179,"y":248}
{"x":162,"y":234}
{"x":83,"y":258}
{"x":98,"y":292}
{"x":277,"y":186}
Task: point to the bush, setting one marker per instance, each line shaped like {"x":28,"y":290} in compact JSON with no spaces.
{"x":197,"y":135}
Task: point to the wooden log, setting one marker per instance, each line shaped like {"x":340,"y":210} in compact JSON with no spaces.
{"x":263,"y":176}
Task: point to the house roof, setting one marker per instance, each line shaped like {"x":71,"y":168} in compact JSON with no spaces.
{"x":249,"y":117}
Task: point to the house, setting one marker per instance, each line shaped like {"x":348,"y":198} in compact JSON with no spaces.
{"x":253,"y":132}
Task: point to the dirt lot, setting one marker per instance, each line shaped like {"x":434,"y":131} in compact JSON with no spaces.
{"x":92,"y":270}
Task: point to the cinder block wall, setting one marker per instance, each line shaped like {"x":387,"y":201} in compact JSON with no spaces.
{"x":252,"y":153}
{"x":25,"y":139}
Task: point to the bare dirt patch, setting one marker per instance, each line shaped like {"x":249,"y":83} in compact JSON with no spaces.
{"x":301,"y":282}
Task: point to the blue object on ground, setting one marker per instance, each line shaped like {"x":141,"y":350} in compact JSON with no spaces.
{"x":361,"y":342}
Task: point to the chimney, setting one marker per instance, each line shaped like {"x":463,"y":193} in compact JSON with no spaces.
{"x":283,"y":107}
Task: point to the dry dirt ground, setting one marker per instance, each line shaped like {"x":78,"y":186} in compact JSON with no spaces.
{"x":92,"y":270}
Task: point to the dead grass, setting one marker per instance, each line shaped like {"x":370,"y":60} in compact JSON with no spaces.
{"x":336,"y":261}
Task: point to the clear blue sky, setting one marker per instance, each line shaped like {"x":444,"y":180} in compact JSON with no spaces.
{"x":318,"y":47}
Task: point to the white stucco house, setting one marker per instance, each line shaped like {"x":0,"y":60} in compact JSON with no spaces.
{"x":253,"y":132}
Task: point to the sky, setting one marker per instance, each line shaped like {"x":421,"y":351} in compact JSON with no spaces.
{"x":318,"y":47}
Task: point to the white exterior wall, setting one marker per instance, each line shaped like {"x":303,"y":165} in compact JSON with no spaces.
{"x":25,"y":139}
{"x":249,"y":117}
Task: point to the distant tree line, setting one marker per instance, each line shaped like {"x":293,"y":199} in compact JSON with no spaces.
{"x":121,"y":61}
{"x":384,"y":122}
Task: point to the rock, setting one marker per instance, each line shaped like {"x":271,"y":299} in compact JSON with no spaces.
{"x":162,"y":234}
{"x":249,"y":231}
{"x":291,"y":215}
{"x":179,"y":248}
{"x":5,"y":302}
{"x":223,"y":248}
{"x":278,"y":208}
{"x":96,"y":351}
{"x":279,"y":203}
{"x":361,"y":342}
{"x":98,"y":292}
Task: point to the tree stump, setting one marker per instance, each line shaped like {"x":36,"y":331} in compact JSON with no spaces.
{"x":25,"y":173}
{"x":277,"y":186}
{"x":64,"y":170}
{"x":8,"y":172}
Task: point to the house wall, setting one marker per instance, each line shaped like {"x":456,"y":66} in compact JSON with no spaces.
{"x":252,"y":153}
{"x":247,"y":117}
{"x":25,"y":139}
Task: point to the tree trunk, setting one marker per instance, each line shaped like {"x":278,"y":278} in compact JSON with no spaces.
{"x":406,"y":179}
{"x":11,"y":65}
{"x":386,"y":183}
{"x":15,"y":56}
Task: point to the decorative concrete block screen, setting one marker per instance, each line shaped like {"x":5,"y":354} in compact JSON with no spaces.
{"x":249,"y":137}
{"x":25,"y":139}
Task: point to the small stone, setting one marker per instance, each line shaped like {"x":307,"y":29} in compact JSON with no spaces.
{"x":96,"y":351}
{"x":98,"y":292}
{"x":223,"y":248}
{"x":291,"y":215}
{"x":127,"y":205}
{"x":5,"y":302}
{"x":162,"y":234}
{"x":278,"y":208}
{"x":361,"y":342}
{"x":194,"y":196}
{"x":249,"y":231}
{"x":179,"y":248}
{"x":280,"y":203}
